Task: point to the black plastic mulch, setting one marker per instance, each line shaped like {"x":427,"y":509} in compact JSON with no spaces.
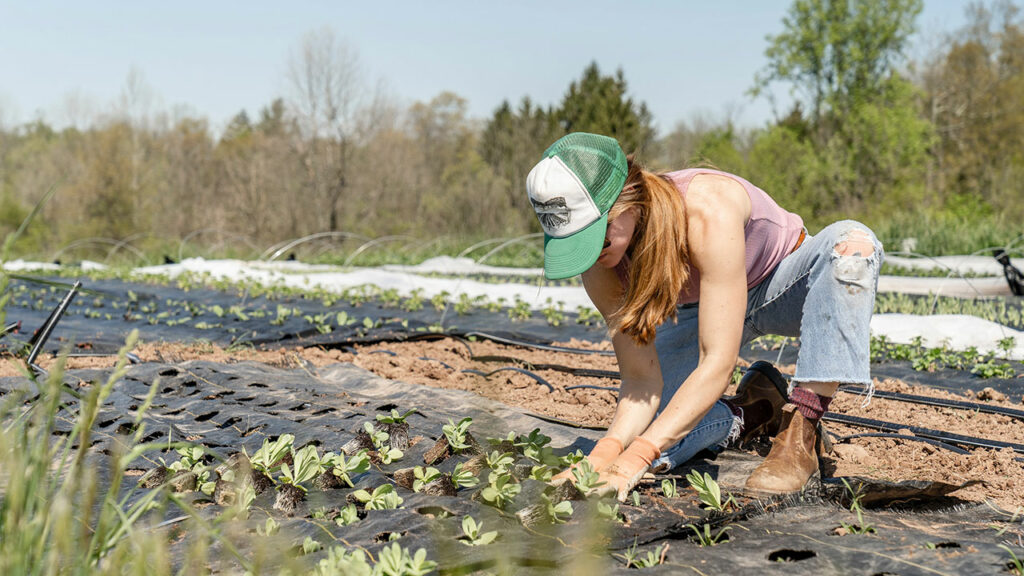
{"x":919,"y":530}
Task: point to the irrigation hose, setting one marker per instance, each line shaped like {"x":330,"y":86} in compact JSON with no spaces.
{"x":845,"y":388}
{"x":948,"y":437}
{"x":548,"y":347}
{"x":936,"y":443}
{"x":512,"y":369}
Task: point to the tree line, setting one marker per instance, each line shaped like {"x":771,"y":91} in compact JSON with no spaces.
{"x":931,"y":148}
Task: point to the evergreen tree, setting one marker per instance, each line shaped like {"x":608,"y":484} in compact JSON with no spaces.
{"x":599,"y":104}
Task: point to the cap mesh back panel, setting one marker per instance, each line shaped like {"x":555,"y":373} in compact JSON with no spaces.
{"x":599,"y":163}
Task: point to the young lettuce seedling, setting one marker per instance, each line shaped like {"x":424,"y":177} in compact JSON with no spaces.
{"x":268,"y":457}
{"x":669,"y":488}
{"x":456,"y":433}
{"x":473,"y":535}
{"x":395,"y":417}
{"x":383,"y":497}
{"x":463,"y":478}
{"x":500,"y":463}
{"x":424,"y":476}
{"x":708,"y":491}
{"x":557,"y":513}
{"x":347,"y":516}
{"x":395,"y":560}
{"x":346,"y":469}
{"x":586,"y":478}
{"x":500,"y":490}
{"x":389,"y":454}
{"x":307,"y":466}
{"x":379,"y":438}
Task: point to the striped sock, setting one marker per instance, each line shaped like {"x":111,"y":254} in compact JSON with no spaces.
{"x":811,"y":405}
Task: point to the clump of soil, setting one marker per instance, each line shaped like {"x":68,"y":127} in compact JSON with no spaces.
{"x":288,"y":498}
{"x":154,"y":477}
{"x":398,"y":434}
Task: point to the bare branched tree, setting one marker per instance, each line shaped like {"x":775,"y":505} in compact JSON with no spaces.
{"x":326,"y":88}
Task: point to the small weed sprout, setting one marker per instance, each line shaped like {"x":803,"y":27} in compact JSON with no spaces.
{"x":472,"y":535}
{"x":709,"y":492}
{"x":861,"y":527}
{"x":383,"y":497}
{"x":634,"y":496}
{"x":423,"y":477}
{"x":704,"y":536}
{"x":652,"y":558}
{"x":456,"y":433}
{"x":1015,"y":565}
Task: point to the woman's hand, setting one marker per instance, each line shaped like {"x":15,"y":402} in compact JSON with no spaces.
{"x":627,"y":470}
{"x":604,"y":453}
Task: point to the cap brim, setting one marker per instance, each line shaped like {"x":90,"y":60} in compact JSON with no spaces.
{"x":573,"y":255}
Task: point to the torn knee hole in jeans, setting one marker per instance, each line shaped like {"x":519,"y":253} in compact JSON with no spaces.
{"x":852,"y":257}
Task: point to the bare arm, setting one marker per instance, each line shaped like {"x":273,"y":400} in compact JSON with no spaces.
{"x":640,"y":393}
{"x":717,"y":210}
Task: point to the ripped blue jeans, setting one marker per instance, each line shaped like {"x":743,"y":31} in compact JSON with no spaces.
{"x":816,"y":293}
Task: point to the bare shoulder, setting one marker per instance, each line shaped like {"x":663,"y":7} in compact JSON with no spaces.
{"x":712,"y":195}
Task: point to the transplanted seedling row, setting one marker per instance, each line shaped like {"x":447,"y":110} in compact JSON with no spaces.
{"x":510,"y":474}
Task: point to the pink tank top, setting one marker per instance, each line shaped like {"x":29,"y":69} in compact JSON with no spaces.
{"x":770,"y":234}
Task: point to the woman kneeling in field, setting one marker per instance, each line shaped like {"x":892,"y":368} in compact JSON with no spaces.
{"x":686,"y":267}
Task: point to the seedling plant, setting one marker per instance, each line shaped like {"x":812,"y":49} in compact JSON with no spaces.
{"x":709,"y":492}
{"x":473,"y":534}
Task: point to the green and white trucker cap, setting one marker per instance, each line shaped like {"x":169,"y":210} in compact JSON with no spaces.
{"x":571,"y":190}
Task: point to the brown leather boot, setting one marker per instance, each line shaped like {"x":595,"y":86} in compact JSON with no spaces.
{"x":761,"y":394}
{"x":792,"y":460}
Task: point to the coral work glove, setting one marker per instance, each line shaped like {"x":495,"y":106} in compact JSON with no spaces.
{"x":604,"y":453}
{"x":627,"y":470}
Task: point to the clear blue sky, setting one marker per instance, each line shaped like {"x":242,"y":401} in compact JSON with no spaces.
{"x":682,"y":57}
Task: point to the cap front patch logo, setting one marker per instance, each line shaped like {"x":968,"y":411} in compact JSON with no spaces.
{"x":552,"y":214}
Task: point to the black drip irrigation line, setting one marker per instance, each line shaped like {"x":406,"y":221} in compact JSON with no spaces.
{"x":513,"y":369}
{"x":548,"y":347}
{"x":939,"y":435}
{"x":584,"y":372}
{"x":592,"y":387}
{"x":428,"y":359}
{"x":942,"y":402}
{"x":936,"y":443}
